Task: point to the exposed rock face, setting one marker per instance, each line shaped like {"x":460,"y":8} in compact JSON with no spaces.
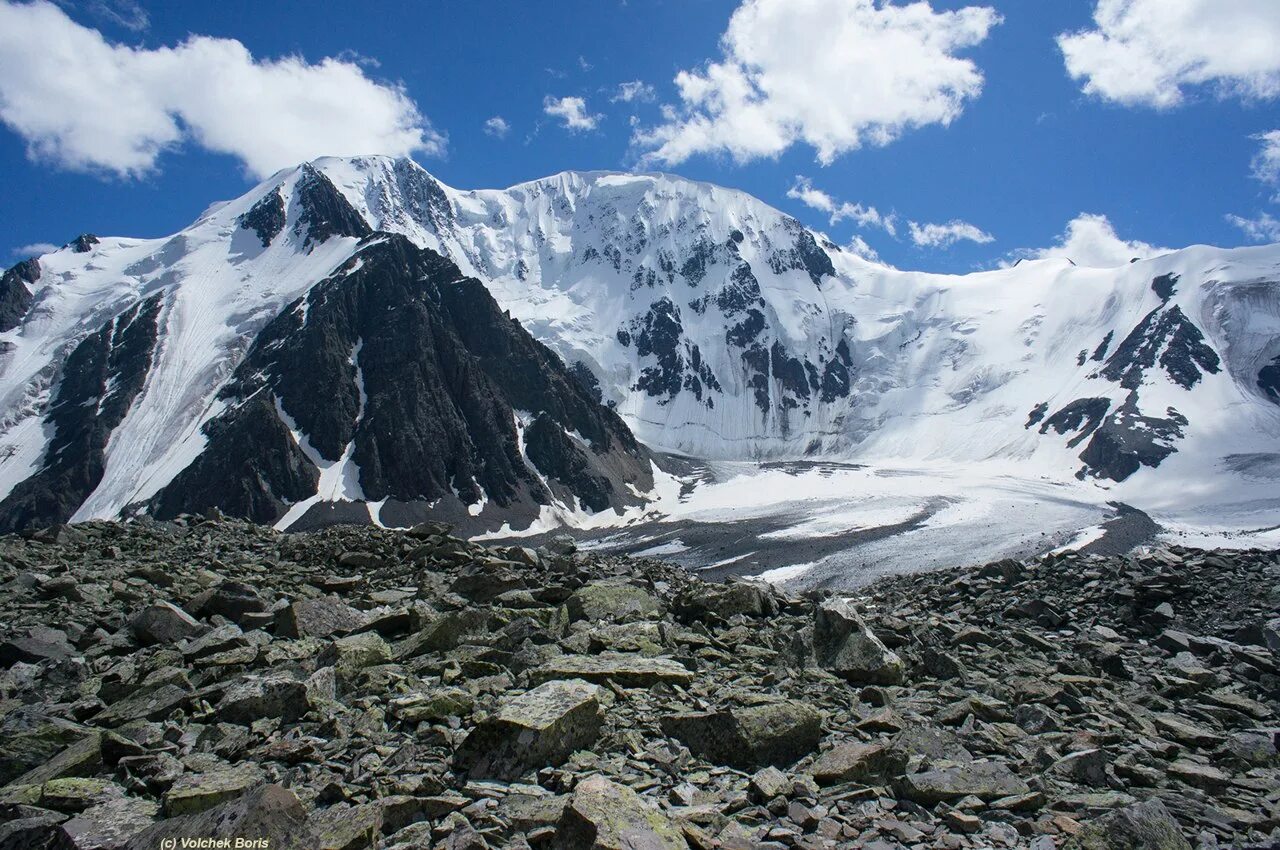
{"x":435,"y":697}
{"x":100,"y":379}
{"x":15,"y":292}
{"x":409,"y":373}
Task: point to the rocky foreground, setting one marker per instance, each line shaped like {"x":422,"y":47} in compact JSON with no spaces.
{"x":363,"y":688}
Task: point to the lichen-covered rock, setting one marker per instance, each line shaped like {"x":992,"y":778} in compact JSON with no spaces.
{"x":540,"y":728}
{"x":1142,"y":826}
{"x":844,"y":645}
{"x":725,"y":601}
{"x":603,"y":815}
{"x":612,"y":600}
{"x":269,"y":813}
{"x":349,"y":655}
{"x":433,"y":705}
{"x":107,"y":825}
{"x":623,"y":669}
{"x":852,"y":761}
{"x":192,"y":793}
{"x":774,"y":733}
{"x":989,"y":780}
{"x":273,"y":695}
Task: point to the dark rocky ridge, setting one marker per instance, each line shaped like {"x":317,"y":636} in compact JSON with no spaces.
{"x":15,"y":297}
{"x":100,"y":379}
{"x":418,"y":373}
{"x":1123,"y":439}
{"x":365,"y":688}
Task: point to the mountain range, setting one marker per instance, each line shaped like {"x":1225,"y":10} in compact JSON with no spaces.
{"x":353,"y":340}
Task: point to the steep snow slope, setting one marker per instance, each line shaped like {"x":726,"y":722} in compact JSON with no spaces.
{"x":226,"y":367}
{"x":717,"y":327}
{"x":722,"y":329}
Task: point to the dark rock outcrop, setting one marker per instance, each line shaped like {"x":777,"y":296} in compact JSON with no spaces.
{"x":99,"y":381}
{"x":15,"y":292}
{"x":413,"y":374}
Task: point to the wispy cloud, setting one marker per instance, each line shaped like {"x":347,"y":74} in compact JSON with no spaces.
{"x":35,"y":249}
{"x":1262,"y":228}
{"x":633,"y":91}
{"x":804,"y":191}
{"x":946,"y":235}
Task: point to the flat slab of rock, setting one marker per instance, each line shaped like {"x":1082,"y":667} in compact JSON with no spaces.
{"x":152,"y":704}
{"x":603,"y":815}
{"x":852,"y":761}
{"x":164,"y":622}
{"x":107,"y":825}
{"x":196,"y":792}
{"x":540,"y":728}
{"x":38,"y":643}
{"x":986,"y":780}
{"x":624,"y":669}
{"x":254,"y":697}
{"x":778,"y":733}
{"x":321,"y":617}
{"x":269,"y":812}
{"x":611,"y":600}
{"x":844,"y":645}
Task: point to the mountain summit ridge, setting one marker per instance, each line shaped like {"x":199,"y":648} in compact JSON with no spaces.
{"x":713,"y":325}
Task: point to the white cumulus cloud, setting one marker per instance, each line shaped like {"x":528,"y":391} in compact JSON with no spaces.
{"x":85,"y":103}
{"x":946,"y":235}
{"x":497,"y":127}
{"x":1091,"y":240}
{"x":1150,"y":52}
{"x":833,"y":74}
{"x":1264,"y":228}
{"x":806,"y":193}
{"x":572,"y":112}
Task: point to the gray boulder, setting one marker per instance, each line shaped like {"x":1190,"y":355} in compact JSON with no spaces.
{"x":269,"y":812}
{"x":777,"y":733}
{"x":844,"y":645}
{"x":1143,"y":826}
{"x":989,"y":780}
{"x":603,"y":815}
{"x":321,"y":617}
{"x":163,"y":622}
{"x":540,"y":728}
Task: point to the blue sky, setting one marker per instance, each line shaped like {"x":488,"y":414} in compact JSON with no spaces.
{"x":972,"y":117}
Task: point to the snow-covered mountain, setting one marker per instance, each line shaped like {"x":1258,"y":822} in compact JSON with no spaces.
{"x":712,"y":324}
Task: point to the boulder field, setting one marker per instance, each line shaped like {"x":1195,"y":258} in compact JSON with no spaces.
{"x":370,"y":688}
